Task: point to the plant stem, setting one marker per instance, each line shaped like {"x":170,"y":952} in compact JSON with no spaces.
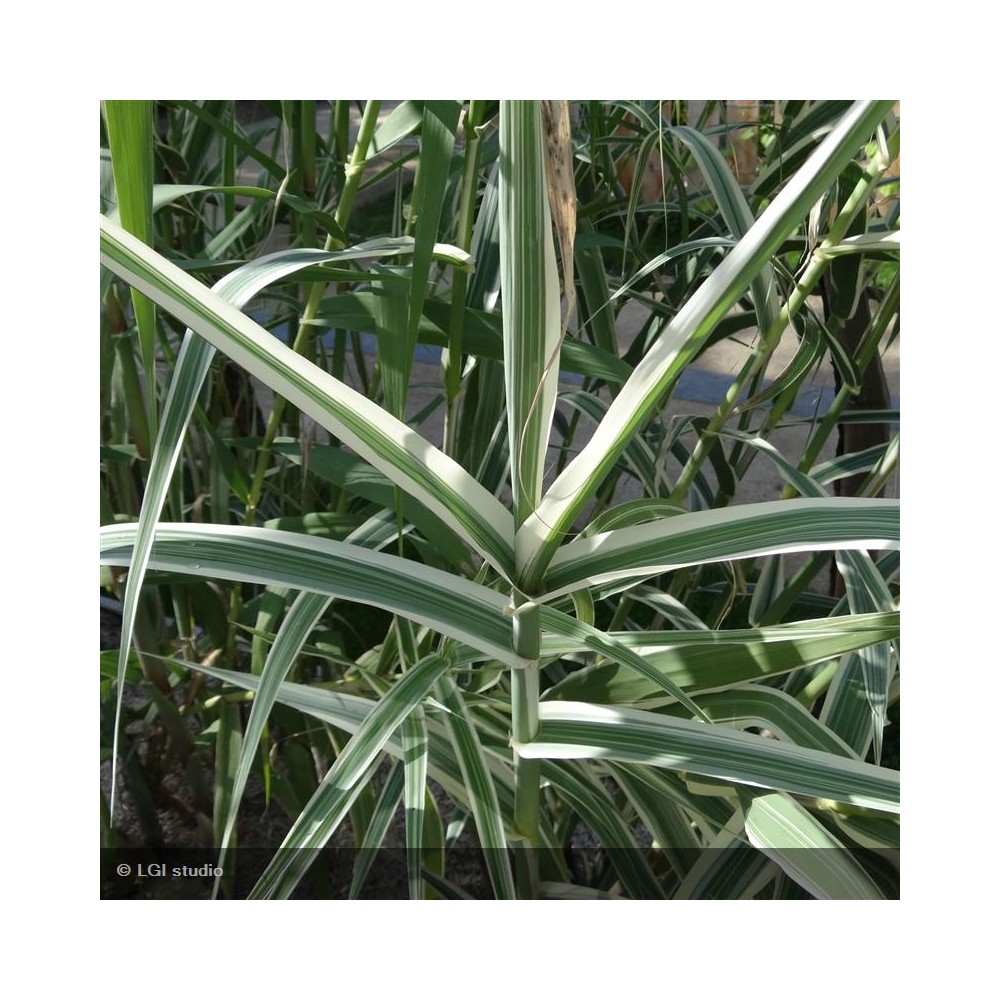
{"x":341,"y":126}
{"x":451,"y":356}
{"x":815,"y":269}
{"x":524,"y":720}
{"x":793,"y":589}
{"x":305,"y":331}
{"x":818,"y":685}
{"x":122,"y":344}
{"x":889,"y":307}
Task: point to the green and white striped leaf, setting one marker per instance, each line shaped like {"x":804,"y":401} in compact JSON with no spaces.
{"x":414,"y":739}
{"x":167,"y":194}
{"x":702,"y":660}
{"x":734,"y":210}
{"x":411,"y":462}
{"x":193,"y":362}
{"x":747,"y":531}
{"x":583,"y":789}
{"x":663,"y":818}
{"x":302,"y":617}
{"x":637,"y":452}
{"x":358,"y":478}
{"x":348,"y":712}
{"x":437,"y":142}
{"x":879,"y":460}
{"x":865,"y":243}
{"x":683,"y":336}
{"x":729,"y":868}
{"x":709,"y":813}
{"x":631,"y":512}
{"x":868,"y":591}
{"x":807,"y":356}
{"x":530,"y":285}
{"x":566,"y":890}
{"x":691,"y":246}
{"x":575,"y":730}
{"x":554,"y":621}
{"x":677,"y":613}
{"x":480,"y":787}
{"x":806,"y":851}
{"x":446,"y":603}
{"x":798,"y":137}
{"x":385,"y":809}
{"x":333,"y":798}
{"x":846,"y":709}
{"x":872,"y":831}
{"x":753,"y":706}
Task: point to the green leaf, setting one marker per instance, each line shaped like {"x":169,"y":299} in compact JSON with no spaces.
{"x":302,"y":617}
{"x":482,"y":334}
{"x":596,"y":295}
{"x":601,"y":642}
{"x":734,"y":210}
{"x":130,"y":135}
{"x":228,"y":748}
{"x":754,"y":706}
{"x":385,"y":809}
{"x":480,"y":787}
{"x":324,"y":812}
{"x":540,"y":536}
{"x":402,"y":121}
{"x":414,"y":739}
{"x":700,"y":660}
{"x":587,"y":795}
{"x":450,"y":604}
{"x":437,"y":141}
{"x":865,"y":243}
{"x":806,"y":851}
{"x":751,"y":530}
{"x":395,"y":351}
{"x":570,"y":730}
{"x":360,"y":479}
{"x":410,"y":461}
{"x":167,"y":194}
{"x":529,"y":280}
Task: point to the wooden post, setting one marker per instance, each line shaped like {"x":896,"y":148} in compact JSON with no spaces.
{"x":744,"y":116}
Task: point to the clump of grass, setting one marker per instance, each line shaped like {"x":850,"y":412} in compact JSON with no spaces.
{"x":460,"y":607}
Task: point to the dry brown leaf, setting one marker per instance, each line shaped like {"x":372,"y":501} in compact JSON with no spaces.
{"x":561,"y":188}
